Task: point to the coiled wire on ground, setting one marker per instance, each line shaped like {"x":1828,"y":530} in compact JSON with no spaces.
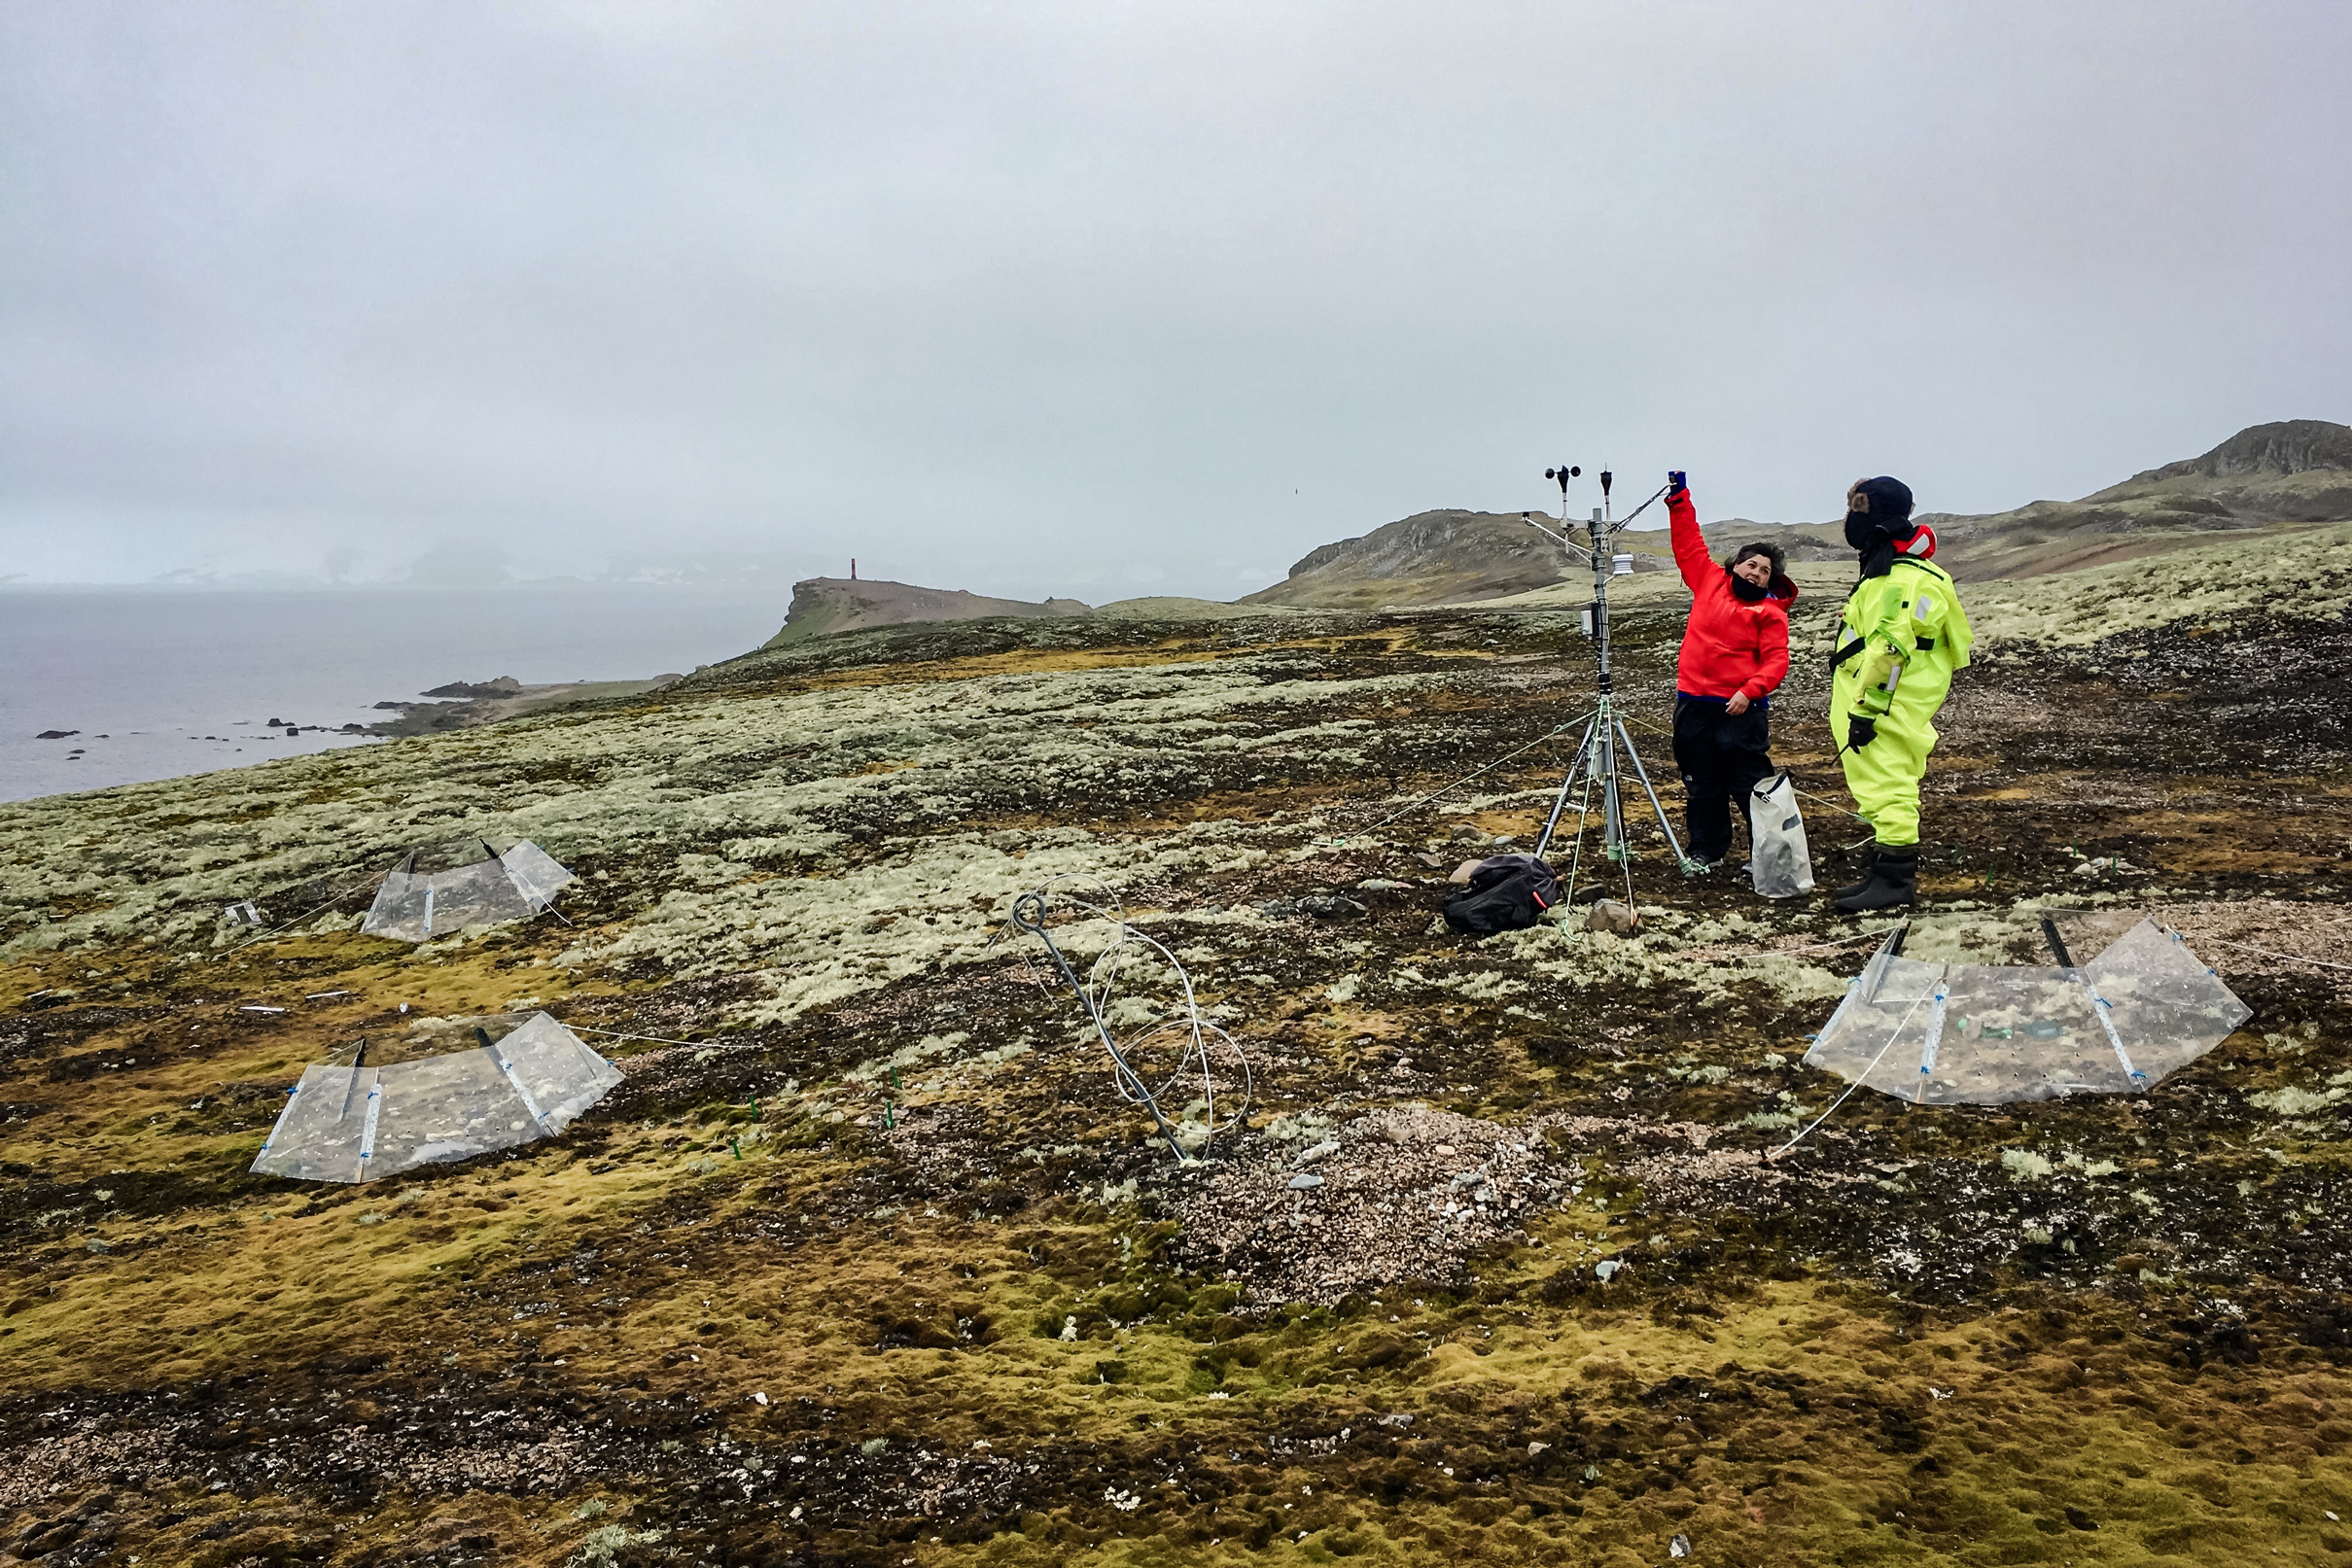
{"x":1202,"y":1043}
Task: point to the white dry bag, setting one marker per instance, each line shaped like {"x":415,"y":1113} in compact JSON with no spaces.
{"x":1778,"y":863}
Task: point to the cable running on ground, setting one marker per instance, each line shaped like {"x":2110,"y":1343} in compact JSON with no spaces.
{"x":1203,"y":1042}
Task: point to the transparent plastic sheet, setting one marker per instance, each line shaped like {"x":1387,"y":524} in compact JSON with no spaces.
{"x":535,"y":873}
{"x":399,"y":910}
{"x":2164,"y":1001}
{"x":410,"y":907}
{"x":444,"y":1108}
{"x":1779,"y":865}
{"x":560,"y":1074}
{"x":1989,"y":1034}
{"x":346,"y":1124}
{"x":317,"y":1135}
{"x":478,"y":894}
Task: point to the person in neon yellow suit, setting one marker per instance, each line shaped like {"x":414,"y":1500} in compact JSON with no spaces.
{"x":1904,"y":635}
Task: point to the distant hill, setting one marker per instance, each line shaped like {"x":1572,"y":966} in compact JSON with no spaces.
{"x":2299,"y":468}
{"x":1431,"y":558}
{"x":2293,"y":472}
{"x":1803,"y":541}
{"x":2283,"y":475}
{"x":2286,"y":474}
{"x":821,"y":605}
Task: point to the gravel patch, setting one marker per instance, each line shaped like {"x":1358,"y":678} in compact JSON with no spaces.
{"x":1406,"y":1194}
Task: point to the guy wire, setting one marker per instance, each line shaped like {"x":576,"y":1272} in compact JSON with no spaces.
{"x":288,"y":926}
{"x":1849,"y":1088}
{"x":1548,"y":735}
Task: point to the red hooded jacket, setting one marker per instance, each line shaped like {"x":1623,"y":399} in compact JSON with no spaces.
{"x":1731,"y":643}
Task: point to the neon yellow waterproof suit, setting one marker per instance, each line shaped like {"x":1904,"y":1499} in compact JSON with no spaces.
{"x":1905,"y":634}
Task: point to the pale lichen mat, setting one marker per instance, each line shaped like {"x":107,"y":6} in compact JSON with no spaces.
{"x":357,"y":1122}
{"x":1986,"y":1034}
{"x":513,"y":887}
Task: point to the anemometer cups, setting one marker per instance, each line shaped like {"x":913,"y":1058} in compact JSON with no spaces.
{"x":1563,"y":473}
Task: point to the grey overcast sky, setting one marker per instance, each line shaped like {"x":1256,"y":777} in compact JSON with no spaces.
{"x":1106,"y":298}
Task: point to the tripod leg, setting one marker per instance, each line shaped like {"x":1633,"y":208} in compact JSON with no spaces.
{"x":1664,"y":826}
{"x":1561,"y":801}
{"x":1584,"y":808}
{"x":1612,"y":800}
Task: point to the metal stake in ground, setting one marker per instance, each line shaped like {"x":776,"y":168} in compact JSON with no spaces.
{"x":1606,"y":744}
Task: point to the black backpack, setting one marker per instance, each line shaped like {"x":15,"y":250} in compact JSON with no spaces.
{"x":1508,"y":892}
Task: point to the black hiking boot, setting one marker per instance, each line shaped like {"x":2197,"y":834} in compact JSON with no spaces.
{"x":1894,"y":883}
{"x":1870,"y":858}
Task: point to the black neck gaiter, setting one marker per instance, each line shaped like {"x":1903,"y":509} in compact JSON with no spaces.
{"x":1870,"y":543}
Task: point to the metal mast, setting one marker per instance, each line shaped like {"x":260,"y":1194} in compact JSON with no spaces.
{"x":1597,"y":753}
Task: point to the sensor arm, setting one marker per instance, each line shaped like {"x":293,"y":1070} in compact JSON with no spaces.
{"x":1639,"y":511}
{"x":1528,"y":519}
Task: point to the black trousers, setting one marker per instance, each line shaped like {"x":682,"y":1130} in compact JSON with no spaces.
{"x":1721,"y":756}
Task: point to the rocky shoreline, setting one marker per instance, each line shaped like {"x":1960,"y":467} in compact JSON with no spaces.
{"x":456,"y":706}
{"x":469,"y":704}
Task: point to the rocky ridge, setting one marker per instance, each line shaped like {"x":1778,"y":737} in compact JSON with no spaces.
{"x":2283,"y":475}
{"x":829,"y":604}
{"x":2267,"y":477}
{"x":1431,"y":558}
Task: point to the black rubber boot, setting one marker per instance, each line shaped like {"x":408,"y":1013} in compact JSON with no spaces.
{"x":1894,"y":882}
{"x":1870,"y":858}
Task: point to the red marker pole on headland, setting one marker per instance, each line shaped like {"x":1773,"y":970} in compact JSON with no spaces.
{"x":853,"y":568}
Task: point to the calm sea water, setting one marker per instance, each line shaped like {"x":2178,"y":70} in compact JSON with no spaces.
{"x":165,"y":683}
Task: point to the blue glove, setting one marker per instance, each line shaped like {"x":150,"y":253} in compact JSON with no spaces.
{"x":1677,"y":482}
{"x":1860,"y":731}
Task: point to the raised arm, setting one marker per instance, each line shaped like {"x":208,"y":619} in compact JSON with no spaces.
{"x":1689,"y":545}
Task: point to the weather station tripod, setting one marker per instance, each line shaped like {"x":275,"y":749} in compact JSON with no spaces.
{"x":1605,"y":746}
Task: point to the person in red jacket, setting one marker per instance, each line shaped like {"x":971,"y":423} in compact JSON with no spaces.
{"x":1734,"y":653}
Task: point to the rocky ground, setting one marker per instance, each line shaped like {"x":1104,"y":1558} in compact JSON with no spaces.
{"x":866,"y":1261}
